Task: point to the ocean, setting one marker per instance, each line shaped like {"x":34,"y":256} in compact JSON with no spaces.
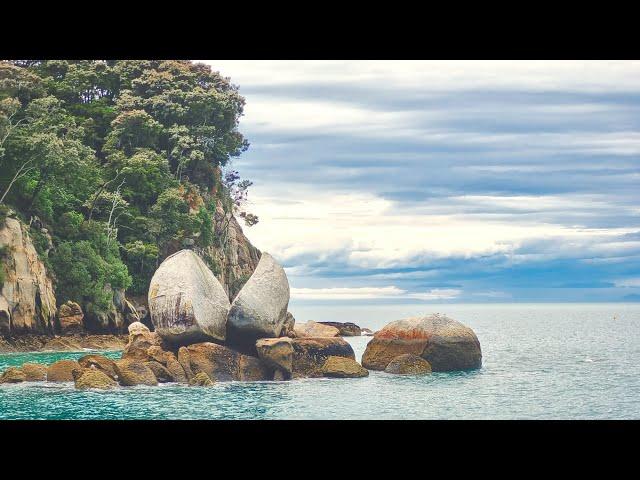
{"x":540,"y":361}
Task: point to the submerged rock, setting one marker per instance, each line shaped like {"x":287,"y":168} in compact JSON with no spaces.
{"x":408,"y":364}
{"x":186,"y":302}
{"x":313,"y":329}
{"x":13,"y":375}
{"x":260,"y":309}
{"x":93,"y":378}
{"x":62,"y":371}
{"x":443,"y":342}
{"x":342,"y":367}
{"x":34,"y":372}
{"x":345,"y":329}
{"x":310,"y":354}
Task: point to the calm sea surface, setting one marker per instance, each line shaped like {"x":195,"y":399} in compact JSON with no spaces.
{"x":540,"y":361}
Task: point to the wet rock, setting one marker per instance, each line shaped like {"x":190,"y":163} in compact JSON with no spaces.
{"x":140,"y":340}
{"x":62,"y":371}
{"x":223,"y":364}
{"x":260,"y":309}
{"x":408,"y":364}
{"x":34,"y":372}
{"x":70,"y":316}
{"x":131,"y":372}
{"x":186,"y":301}
{"x":277,"y":353}
{"x":104,"y":364}
{"x":93,"y":378}
{"x":443,"y":342}
{"x":201,"y":380}
{"x":310,"y":354}
{"x":13,"y":375}
{"x":342,"y":367}
{"x":312,"y":329}
{"x":185,"y":362}
{"x":345,"y":329}
{"x":160,"y":372}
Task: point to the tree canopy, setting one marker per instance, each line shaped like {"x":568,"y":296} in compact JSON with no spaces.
{"x":111,"y":155}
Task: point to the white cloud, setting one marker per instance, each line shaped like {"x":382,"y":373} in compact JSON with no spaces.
{"x":363,"y":293}
{"x":628,"y":282}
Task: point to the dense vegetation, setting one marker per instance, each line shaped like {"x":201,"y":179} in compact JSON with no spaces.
{"x":121,"y":161}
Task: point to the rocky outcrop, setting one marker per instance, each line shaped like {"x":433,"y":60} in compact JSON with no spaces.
{"x":37,"y":343}
{"x":70,"y":318}
{"x":186,"y":301}
{"x":345,"y":329}
{"x":201,"y":380}
{"x":342,"y":367}
{"x":312,"y":329}
{"x":260,"y":309}
{"x":92,"y":378}
{"x":62,"y":371}
{"x":140,"y":340}
{"x":27,"y":300}
{"x":310,"y":354}
{"x":408,"y":364}
{"x":289,"y":326}
{"x":443,"y":342}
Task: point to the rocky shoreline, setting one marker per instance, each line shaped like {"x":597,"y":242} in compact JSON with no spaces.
{"x":66,"y":343}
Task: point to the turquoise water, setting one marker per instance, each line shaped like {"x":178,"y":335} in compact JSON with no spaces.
{"x":544,"y":361}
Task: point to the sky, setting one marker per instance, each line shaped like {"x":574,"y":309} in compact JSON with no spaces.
{"x":395,"y":182}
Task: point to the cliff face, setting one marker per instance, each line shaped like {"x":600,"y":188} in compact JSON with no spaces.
{"x":27,"y":300}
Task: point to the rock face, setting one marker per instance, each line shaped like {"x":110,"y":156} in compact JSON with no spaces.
{"x":260,"y":309}
{"x":70,"y":317}
{"x":342,"y":367}
{"x":140,"y":340}
{"x":277,"y":353}
{"x":27,"y":300}
{"x":310,"y":354}
{"x":315,"y":330}
{"x":408,"y":364}
{"x":62,"y":371}
{"x":222,"y":364}
{"x":186,"y":301}
{"x":289,"y":326}
{"x":201,"y":380}
{"x":346,"y":329}
{"x":443,"y":342}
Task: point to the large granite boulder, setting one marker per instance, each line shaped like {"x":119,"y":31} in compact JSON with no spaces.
{"x":443,"y":342}
{"x":346,"y":329}
{"x":342,"y":367}
{"x":310,"y":354}
{"x":260,"y":309}
{"x":222,"y":364}
{"x":277,"y":353}
{"x":313,"y":329}
{"x":186,"y":301}
{"x":70,"y":317}
{"x":62,"y":371}
{"x":408,"y":364}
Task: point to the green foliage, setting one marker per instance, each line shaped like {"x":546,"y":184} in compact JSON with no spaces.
{"x":117,"y":158}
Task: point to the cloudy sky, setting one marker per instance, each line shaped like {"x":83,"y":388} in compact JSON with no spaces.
{"x":389,"y":182}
